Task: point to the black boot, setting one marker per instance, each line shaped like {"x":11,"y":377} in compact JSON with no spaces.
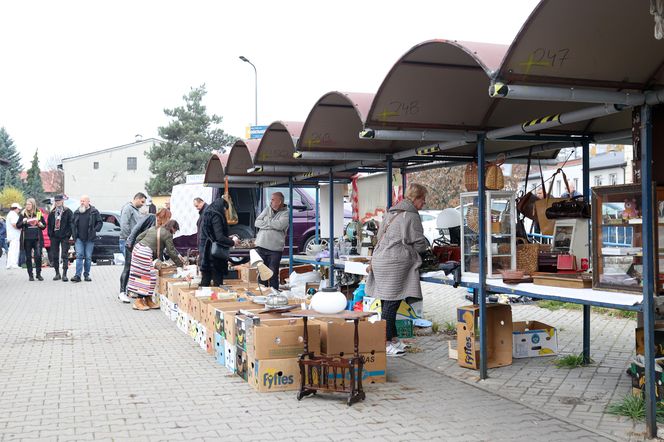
{"x":31,"y":278}
{"x":57,"y":276}
{"x":64,"y":274}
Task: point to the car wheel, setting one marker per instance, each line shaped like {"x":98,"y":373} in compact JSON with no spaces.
{"x":242,"y":231}
{"x":238,"y":260}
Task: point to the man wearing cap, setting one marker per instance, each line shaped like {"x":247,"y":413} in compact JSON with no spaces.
{"x":59,"y":230}
{"x":13,"y":237}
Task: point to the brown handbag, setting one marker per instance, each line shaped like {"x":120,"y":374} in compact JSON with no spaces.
{"x":546,"y":225}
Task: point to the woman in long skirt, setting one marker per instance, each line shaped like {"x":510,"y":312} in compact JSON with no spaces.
{"x":149,"y":246}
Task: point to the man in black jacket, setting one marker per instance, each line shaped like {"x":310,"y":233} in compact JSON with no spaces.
{"x":59,"y":230}
{"x":87,"y":222}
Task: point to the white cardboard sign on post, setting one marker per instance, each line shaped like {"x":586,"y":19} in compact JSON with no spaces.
{"x":324,"y":215}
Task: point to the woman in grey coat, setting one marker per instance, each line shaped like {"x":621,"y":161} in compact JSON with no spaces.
{"x":394,"y":271}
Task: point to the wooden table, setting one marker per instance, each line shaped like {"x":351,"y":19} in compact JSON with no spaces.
{"x":315,"y":371}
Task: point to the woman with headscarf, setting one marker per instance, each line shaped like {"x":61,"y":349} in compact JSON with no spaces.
{"x":150,"y":246}
{"x":394,"y":271}
{"x":32,"y":222}
{"x":214,"y":230}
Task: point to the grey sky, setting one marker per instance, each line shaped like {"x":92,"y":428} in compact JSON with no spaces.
{"x":79,"y":76}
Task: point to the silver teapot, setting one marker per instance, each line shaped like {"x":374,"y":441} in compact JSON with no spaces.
{"x":276,"y":299}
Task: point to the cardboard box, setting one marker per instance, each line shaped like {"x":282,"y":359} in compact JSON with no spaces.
{"x":244,"y":325}
{"x":183,"y":322}
{"x":219,"y":324}
{"x":172,"y":287}
{"x":532,"y":338}
{"x":163,"y":284}
{"x":231,"y":355}
{"x":338,"y":336}
{"x":242,"y":364}
{"x":499,"y":335}
{"x":229,"y":320}
{"x":302,"y":268}
{"x":406,"y":311}
{"x":274,"y":374}
{"x":283,"y":338}
{"x":659,"y":339}
{"x":374,"y":370}
{"x":219,"y":349}
{"x":209,"y":341}
{"x":638,"y":375}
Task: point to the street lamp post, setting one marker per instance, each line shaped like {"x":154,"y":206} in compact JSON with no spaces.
{"x":246,"y":60}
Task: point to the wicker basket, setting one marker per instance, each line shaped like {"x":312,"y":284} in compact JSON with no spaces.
{"x":470,"y":177}
{"x":473,"y":219}
{"x":494,"y":175}
{"x":526,"y":256}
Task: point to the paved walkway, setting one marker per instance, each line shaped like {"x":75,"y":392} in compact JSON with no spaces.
{"x":77,"y":365}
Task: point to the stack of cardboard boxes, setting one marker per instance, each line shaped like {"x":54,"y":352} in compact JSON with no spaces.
{"x":263,"y":348}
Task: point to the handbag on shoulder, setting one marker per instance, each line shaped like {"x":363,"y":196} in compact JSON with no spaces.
{"x":217,"y":251}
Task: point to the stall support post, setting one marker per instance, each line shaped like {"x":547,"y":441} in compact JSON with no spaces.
{"x":647,"y":204}
{"x":331,"y":240}
{"x":586,"y":197}
{"x":317,"y":228}
{"x":261,"y":189}
{"x":482,"y":241}
{"x":403,"y":182}
{"x":290,"y":225}
{"x":389,"y":182}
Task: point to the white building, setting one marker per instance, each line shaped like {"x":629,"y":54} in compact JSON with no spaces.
{"x":111,"y":177}
{"x":606,"y":168}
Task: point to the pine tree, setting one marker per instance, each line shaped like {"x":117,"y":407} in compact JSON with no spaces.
{"x":189,"y":139}
{"x":9,"y":175}
{"x":33,"y":186}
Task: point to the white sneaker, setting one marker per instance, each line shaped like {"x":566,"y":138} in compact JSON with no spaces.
{"x":401,"y":345}
{"x":393,"y":351}
{"x":124,"y":298}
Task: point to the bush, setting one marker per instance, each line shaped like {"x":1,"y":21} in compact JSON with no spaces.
{"x":11,"y":195}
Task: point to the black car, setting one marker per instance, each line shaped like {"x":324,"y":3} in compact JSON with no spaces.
{"x":108,"y":238}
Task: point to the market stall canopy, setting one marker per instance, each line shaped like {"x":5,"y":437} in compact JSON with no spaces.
{"x":334,"y":122}
{"x":240,"y":157}
{"x":278,"y":144}
{"x":605,"y":44}
{"x":214,"y":170}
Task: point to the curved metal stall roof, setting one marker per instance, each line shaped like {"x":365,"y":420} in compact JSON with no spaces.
{"x":605,"y":44}
{"x":334,"y":122}
{"x":214,"y":170}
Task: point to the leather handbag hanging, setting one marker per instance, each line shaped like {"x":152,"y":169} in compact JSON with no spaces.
{"x":525,"y":204}
{"x":231,"y":213}
{"x":217,"y":251}
{"x":546,"y":225}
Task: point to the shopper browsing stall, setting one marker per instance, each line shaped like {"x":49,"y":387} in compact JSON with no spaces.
{"x":150,"y":246}
{"x":145,"y":223}
{"x":273,"y":225}
{"x":215,"y":242}
{"x":394,"y":271}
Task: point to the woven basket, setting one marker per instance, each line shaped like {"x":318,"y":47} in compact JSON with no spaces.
{"x":470,"y":177}
{"x":473,"y":219}
{"x":526,"y":256}
{"x":494,"y":175}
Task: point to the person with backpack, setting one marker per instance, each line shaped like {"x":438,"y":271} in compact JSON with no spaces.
{"x":59,"y":230}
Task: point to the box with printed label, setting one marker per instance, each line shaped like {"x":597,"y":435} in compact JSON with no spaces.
{"x":219,"y":323}
{"x":201,"y":336}
{"x":282,"y":338}
{"x":163,"y":284}
{"x":532,"y":338}
{"x":219,"y":349}
{"x":231,"y":355}
{"x":172,"y":287}
{"x":374,"y":370}
{"x":241,"y":364}
{"x":410,"y":311}
{"x":229,"y":320}
{"x":210,"y":306}
{"x":499,"y":335}
{"x":244,"y":325}
{"x":337,"y":336}
{"x":183,"y":322}
{"x":274,"y":374}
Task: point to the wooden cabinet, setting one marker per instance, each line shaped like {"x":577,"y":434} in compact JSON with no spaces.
{"x":617,"y":228}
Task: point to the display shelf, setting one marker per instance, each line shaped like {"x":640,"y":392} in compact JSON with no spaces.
{"x":616,"y":212}
{"x":500,"y":232}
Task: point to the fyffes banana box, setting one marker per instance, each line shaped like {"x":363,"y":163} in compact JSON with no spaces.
{"x":274,"y":375}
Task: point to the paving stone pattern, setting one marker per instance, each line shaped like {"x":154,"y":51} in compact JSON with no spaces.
{"x":75,"y":364}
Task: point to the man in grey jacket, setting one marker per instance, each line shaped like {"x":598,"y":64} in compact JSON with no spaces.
{"x":273,"y":225}
{"x":129,"y":216}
